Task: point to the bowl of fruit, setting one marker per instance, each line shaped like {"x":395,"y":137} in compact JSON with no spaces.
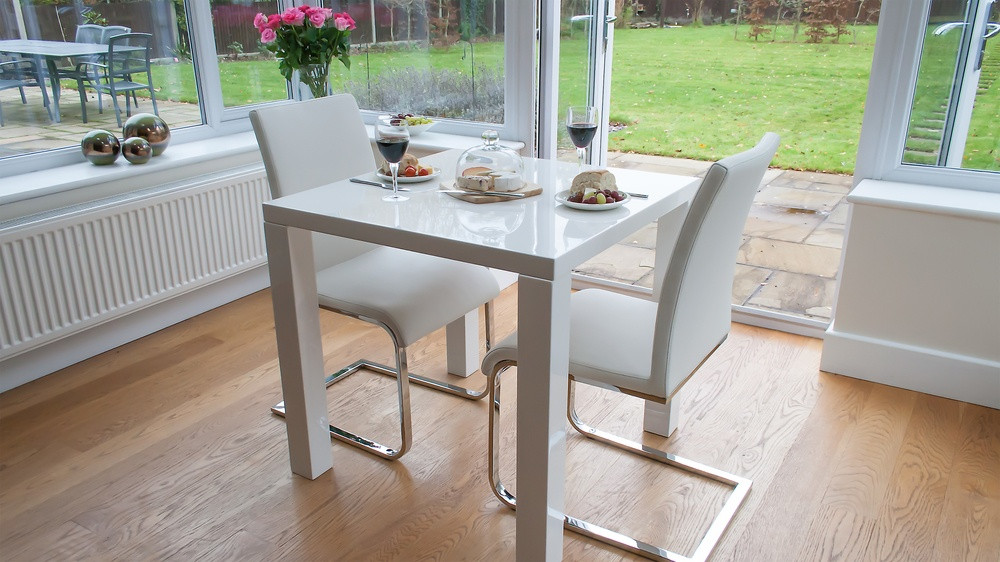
{"x":415,"y":123}
{"x":593,"y":190}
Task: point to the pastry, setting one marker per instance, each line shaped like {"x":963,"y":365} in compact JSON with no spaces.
{"x":593,"y":180}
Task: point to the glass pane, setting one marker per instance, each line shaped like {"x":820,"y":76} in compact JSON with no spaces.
{"x":439,"y":58}
{"x":63,"y":47}
{"x":575,"y":67}
{"x":956,"y":102}
{"x":248,"y":73}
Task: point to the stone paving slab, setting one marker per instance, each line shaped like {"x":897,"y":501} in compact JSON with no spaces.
{"x":789,"y":256}
{"x":805,"y":295}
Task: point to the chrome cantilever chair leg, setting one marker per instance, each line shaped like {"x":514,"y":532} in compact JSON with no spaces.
{"x":403,"y":394}
{"x":403,"y":388}
{"x":741,"y":486}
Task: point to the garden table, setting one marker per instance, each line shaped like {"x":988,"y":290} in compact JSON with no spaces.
{"x":50,"y":52}
{"x":534,"y":237}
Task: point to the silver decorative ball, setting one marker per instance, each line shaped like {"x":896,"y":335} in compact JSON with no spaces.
{"x":100,"y":147}
{"x":137,"y":150}
{"x":149,"y":127}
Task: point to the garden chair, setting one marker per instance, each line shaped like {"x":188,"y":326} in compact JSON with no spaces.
{"x":18,"y":74}
{"x":128,"y":55}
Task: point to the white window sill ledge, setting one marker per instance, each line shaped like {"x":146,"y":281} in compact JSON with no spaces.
{"x":45,"y":190}
{"x":979,"y":205}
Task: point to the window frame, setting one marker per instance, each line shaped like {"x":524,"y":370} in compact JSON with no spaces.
{"x":895,"y":64}
{"x":218,"y":120}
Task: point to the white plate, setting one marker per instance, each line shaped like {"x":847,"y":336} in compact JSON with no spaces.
{"x":435,"y":172}
{"x":418,"y":129}
{"x":563,"y":197}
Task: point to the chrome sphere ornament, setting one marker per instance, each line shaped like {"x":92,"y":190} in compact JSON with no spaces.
{"x":100,"y":147}
{"x":137,"y":150}
{"x":149,"y":127}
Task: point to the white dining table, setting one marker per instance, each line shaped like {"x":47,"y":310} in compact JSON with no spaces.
{"x":535,"y":237}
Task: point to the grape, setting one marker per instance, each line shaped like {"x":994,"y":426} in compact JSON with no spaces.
{"x":576,"y":198}
{"x":591,"y":200}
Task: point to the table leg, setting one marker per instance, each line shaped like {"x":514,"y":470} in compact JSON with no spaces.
{"x":661,"y":419}
{"x":542,"y":359}
{"x":462,"y":344}
{"x":300,"y":350}
{"x":56,"y":90}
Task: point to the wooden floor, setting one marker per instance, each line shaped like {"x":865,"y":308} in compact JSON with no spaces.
{"x":165,"y":449}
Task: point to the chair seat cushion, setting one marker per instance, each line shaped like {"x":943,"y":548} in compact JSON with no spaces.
{"x":610,"y":343}
{"x":413,"y":294}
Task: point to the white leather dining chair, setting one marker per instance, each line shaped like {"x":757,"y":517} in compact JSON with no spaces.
{"x":312,"y":143}
{"x":658,"y":345}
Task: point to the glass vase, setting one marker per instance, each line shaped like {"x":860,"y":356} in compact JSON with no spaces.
{"x":316,"y":79}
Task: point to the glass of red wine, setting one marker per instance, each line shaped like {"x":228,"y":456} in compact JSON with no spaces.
{"x":392,"y":136}
{"x":581,"y":122}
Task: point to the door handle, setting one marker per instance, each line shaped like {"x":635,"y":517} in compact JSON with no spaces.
{"x":610,"y":19}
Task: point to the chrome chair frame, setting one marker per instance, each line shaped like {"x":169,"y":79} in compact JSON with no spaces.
{"x":402,"y":387}
{"x":740,"y":485}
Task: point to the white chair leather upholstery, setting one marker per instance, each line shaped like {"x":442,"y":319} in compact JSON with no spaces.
{"x":312,"y":143}
{"x":655,"y":347}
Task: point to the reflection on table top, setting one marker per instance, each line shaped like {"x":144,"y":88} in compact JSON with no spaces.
{"x":540,"y":234}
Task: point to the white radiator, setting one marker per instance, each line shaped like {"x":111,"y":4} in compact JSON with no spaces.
{"x":70,"y":269}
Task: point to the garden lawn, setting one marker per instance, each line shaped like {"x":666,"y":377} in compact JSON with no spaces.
{"x":698,"y":93}
{"x":684,"y":92}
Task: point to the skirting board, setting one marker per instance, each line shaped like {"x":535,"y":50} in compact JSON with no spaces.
{"x":74,"y":348}
{"x":959,"y":377}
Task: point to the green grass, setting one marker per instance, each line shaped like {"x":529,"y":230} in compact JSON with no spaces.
{"x":691,"y":92}
{"x":698,"y":93}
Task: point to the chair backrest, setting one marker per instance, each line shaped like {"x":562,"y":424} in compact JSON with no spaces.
{"x":122,"y":61}
{"x":312,"y":143}
{"x":112,"y":30}
{"x":694,"y":307}
{"x":89,"y":33}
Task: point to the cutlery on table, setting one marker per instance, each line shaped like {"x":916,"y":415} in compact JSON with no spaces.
{"x":637,"y":195}
{"x":377,"y":184}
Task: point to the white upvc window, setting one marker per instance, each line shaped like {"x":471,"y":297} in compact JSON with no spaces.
{"x":502,"y":32}
{"x":908,"y":60}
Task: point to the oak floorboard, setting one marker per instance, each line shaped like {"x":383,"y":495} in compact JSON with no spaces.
{"x":907,"y":525}
{"x":165,"y":449}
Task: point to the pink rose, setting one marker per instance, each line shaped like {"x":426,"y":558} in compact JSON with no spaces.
{"x":317,"y":18}
{"x":343,"y":21}
{"x":293,"y":16}
{"x":327,"y":12}
{"x":274,"y":21}
{"x":260,"y":22}
{"x":268,"y":36}
{"x":304,"y":8}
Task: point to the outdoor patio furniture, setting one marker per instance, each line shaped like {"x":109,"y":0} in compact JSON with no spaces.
{"x":650,"y":349}
{"x":18,"y":74}
{"x":128,"y":56}
{"x":91,"y":33}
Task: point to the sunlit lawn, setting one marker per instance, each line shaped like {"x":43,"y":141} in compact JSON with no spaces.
{"x":685,"y":92}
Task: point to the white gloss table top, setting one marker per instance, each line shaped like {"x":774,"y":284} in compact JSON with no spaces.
{"x":534,"y":237}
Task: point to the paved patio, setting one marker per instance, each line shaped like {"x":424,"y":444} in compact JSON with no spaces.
{"x":791,"y":242}
{"x":28,"y":128}
{"x":787,"y":262}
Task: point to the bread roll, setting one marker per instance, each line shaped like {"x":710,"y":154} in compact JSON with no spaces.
{"x":594,"y":180}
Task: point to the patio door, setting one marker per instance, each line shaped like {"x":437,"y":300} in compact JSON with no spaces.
{"x":585,"y":70}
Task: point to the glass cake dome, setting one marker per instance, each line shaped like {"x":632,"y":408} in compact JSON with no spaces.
{"x":490,"y":166}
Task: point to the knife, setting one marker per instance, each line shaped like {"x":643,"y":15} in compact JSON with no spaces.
{"x":488,"y":193}
{"x":376,"y":184}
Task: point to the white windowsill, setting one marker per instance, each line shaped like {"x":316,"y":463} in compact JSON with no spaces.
{"x":964,"y":203}
{"x":57,"y":187}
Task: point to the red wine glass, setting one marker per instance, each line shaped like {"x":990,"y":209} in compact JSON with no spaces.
{"x":581,"y":122}
{"x":392,"y":136}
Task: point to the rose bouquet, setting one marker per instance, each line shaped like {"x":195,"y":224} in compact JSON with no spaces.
{"x":307,"y":36}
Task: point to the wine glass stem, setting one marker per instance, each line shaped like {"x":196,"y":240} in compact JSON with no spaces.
{"x":394,"y":168}
{"x":581,"y":154}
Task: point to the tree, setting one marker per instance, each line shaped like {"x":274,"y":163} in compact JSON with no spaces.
{"x":756,"y":18}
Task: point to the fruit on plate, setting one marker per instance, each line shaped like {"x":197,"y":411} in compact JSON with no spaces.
{"x":408,"y":161}
{"x":596,"y":197}
{"x":410,"y":119}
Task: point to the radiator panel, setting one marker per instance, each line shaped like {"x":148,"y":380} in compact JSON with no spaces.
{"x":67,"y":270}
